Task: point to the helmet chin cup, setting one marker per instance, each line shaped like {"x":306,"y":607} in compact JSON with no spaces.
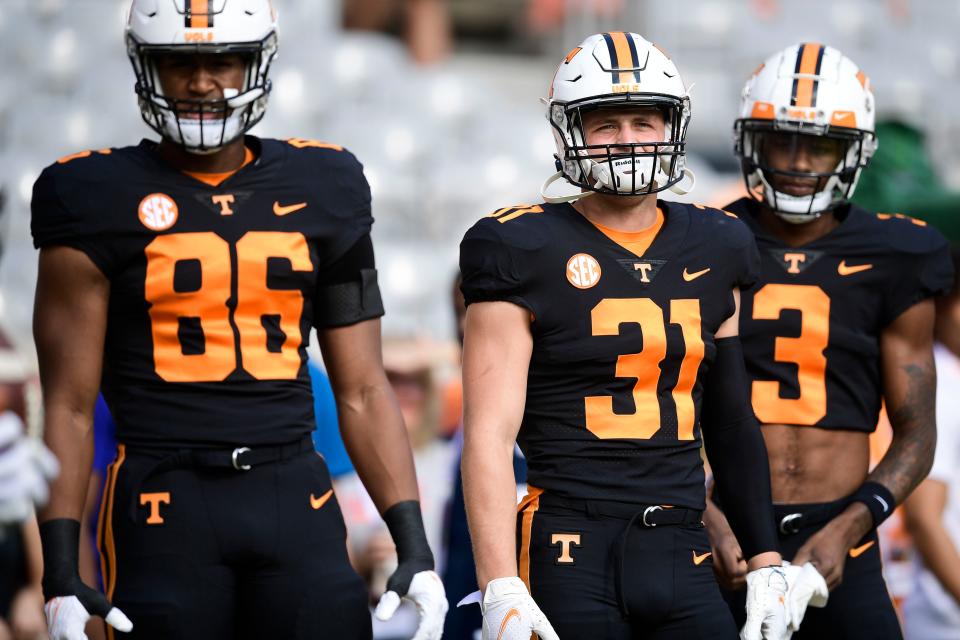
{"x":793,"y":209}
{"x":628,"y":175}
{"x":801,"y":209}
{"x":203,"y":137}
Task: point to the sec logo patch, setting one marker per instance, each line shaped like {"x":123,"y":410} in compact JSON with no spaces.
{"x":158,"y":211}
{"x":583,"y":271}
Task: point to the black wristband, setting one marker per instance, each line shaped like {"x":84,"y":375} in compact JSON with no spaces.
{"x":405,"y":523}
{"x":61,"y":548}
{"x":877,"y":499}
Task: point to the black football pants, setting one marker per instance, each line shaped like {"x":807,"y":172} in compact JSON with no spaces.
{"x":221,"y":553}
{"x":658,"y":586}
{"x":858,"y":609}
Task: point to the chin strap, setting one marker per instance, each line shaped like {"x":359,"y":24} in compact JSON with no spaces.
{"x":558,"y":199}
{"x":682,"y":190}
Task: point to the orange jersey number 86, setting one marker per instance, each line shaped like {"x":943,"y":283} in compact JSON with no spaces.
{"x":208,"y":304}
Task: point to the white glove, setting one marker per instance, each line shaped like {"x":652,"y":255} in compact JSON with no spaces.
{"x":807,"y":587}
{"x":26,"y":466}
{"x":766,"y":605}
{"x":66,"y":618}
{"x":426,"y":592}
{"x":509,"y":613}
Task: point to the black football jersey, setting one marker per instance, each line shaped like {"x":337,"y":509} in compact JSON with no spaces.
{"x":212,"y":289}
{"x":811,"y":325}
{"x":621,"y":342}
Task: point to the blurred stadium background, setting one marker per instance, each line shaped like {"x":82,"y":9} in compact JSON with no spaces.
{"x":439,"y":100}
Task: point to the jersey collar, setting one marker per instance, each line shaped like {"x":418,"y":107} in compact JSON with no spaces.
{"x":676,"y":223}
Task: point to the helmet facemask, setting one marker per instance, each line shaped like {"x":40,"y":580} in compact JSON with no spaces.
{"x":825,"y":189}
{"x":189,"y":122}
{"x":626,"y":169}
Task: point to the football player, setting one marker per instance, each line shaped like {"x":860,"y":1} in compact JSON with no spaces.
{"x":840,"y":320}
{"x":185,"y":276}
{"x":601,"y":333}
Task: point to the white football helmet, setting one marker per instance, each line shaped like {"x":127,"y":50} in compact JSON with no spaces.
{"x":617,"y":69}
{"x":807,"y":89}
{"x":244,"y":27}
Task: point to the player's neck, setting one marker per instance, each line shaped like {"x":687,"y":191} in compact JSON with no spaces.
{"x":229,"y":158}
{"x":622,"y":213}
{"x":797,"y":235}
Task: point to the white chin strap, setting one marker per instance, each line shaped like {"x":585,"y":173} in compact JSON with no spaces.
{"x":558,"y":199}
{"x":680,"y":188}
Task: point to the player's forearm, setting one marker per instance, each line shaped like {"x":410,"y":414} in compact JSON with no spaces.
{"x":69,"y":435}
{"x":715,"y":522}
{"x":374,"y":435}
{"x":737,"y":453}
{"x":490,"y":495}
{"x":909,"y":390}
{"x":743,"y":483}
{"x":910,"y":393}
{"x":910,"y":456}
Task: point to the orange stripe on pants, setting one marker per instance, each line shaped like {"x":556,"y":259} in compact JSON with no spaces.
{"x":528,"y":506}
{"x":105,"y":541}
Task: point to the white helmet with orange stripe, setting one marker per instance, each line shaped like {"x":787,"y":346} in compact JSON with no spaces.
{"x":616,"y":70}
{"x":805,"y":131}
{"x":162,"y":27}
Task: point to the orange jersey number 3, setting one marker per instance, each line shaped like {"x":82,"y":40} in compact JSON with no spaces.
{"x":806,"y":351}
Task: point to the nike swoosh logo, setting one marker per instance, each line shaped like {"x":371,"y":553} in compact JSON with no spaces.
{"x":281,"y":210}
{"x":883,"y":503}
{"x":857,"y":551}
{"x":503,"y":625}
{"x":316,"y":503}
{"x":844,"y":270}
{"x":693,"y":276}
{"x":698,"y":559}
